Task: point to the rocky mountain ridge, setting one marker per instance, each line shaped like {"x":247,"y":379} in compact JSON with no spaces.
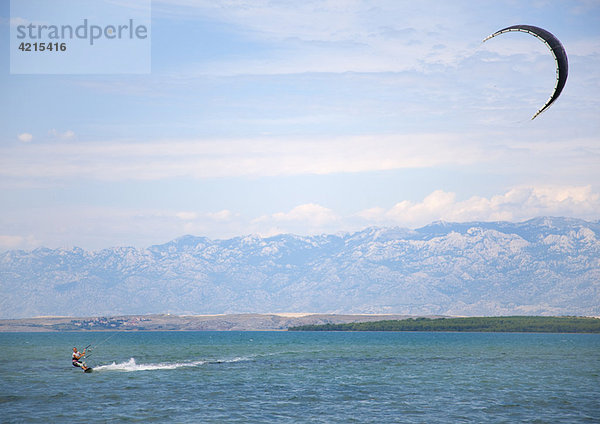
{"x":544,"y":266}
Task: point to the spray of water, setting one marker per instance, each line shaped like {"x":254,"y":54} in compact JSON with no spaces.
{"x":131,"y":365}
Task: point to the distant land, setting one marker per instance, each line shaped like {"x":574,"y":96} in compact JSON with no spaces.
{"x":520,"y":324}
{"x":303,"y":322}
{"x":168,"y":322}
{"x":545,"y":266}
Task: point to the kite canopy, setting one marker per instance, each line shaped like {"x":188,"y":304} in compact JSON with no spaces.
{"x":558,"y":51}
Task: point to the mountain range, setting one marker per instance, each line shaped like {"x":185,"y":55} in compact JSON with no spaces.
{"x":544,"y":266}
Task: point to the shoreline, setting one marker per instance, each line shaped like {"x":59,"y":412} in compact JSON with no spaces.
{"x":276,"y":321}
{"x":204,"y":322}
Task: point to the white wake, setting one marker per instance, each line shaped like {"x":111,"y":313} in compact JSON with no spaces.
{"x":131,"y":365}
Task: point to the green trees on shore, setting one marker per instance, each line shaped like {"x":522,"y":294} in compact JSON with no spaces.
{"x":516,"y":324}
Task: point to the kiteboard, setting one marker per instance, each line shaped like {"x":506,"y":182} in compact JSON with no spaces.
{"x":88,"y":369}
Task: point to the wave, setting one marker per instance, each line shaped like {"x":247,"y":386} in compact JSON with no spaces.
{"x":131,"y":365}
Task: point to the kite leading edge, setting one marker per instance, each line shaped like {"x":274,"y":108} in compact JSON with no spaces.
{"x":558,"y":51}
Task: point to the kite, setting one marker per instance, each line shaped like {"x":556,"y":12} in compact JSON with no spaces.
{"x":558,"y":51}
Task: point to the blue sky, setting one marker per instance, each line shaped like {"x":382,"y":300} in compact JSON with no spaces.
{"x":309,"y":117}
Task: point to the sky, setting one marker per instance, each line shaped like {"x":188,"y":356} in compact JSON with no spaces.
{"x":268,"y":117}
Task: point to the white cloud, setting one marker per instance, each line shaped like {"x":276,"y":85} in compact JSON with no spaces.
{"x":10,"y":241}
{"x":310,"y":213}
{"x":332,"y":36}
{"x":25,"y":137}
{"x":97,"y":227}
{"x":303,"y":219}
{"x":17,"y":242}
{"x":517,"y":204}
{"x":554,"y":158}
{"x":242,"y":157}
{"x":186,"y":216}
{"x":224,"y":215}
{"x":64,"y":135}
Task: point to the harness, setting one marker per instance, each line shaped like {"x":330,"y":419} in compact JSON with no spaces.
{"x":75,"y":361}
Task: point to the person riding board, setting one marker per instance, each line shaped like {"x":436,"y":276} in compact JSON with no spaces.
{"x":77,"y":359}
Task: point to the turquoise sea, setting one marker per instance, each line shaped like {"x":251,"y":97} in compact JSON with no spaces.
{"x":281,"y":377}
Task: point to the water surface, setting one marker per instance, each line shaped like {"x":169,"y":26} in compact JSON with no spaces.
{"x":283,"y":377}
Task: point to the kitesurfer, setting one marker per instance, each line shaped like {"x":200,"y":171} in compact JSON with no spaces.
{"x":77,"y":359}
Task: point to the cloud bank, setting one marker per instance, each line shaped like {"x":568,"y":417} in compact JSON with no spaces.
{"x":234,"y":158}
{"x":255,"y":157}
{"x":517,"y":204}
{"x":105,"y":227}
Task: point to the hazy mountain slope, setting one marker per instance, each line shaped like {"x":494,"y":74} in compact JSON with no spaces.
{"x":541,"y":266}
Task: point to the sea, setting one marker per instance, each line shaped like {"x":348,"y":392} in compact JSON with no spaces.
{"x":301,"y":377}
